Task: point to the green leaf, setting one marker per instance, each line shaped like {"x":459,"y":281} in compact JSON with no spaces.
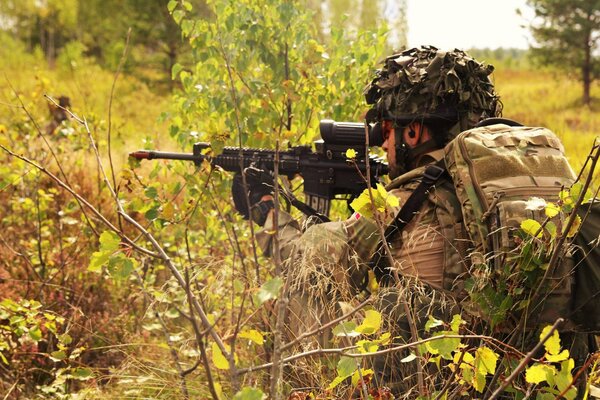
{"x":82,"y":374}
{"x":443,"y":346}
{"x":152,"y":213}
{"x":151,"y":192}
{"x":171,"y":5}
{"x":371,"y":323}
{"x":120,"y":266}
{"x":456,"y":322}
{"x":269,"y":290}
{"x":249,"y":393}
{"x":532,"y":228}
{"x":551,"y":228}
{"x":177,"y":68}
{"x":346,"y":329}
{"x":109,"y":241}
{"x":178,"y":15}
{"x":65,"y":339}
{"x":252,"y":335}
{"x":98,"y":259}
{"x":346,"y":366}
{"x":58,"y":355}
{"x":575,"y":191}
{"x":218,"y":358}
{"x":432,"y":323}
{"x":35,"y":334}
{"x":538,"y":373}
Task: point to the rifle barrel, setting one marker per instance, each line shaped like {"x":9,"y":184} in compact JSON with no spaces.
{"x":152,"y":155}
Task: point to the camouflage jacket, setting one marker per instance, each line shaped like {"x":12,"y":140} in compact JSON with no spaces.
{"x":429,"y":248}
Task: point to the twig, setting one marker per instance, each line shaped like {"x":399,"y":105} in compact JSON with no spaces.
{"x":200,"y":340}
{"x":451,"y":378}
{"x":54,"y":156}
{"x":525,"y":361}
{"x":407,"y":311}
{"x":81,"y":201}
{"x":345,"y":350}
{"x":170,"y":345}
{"x":582,"y":370}
{"x":109,"y":131}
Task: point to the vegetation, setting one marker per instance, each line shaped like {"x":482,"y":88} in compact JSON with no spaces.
{"x":567,"y":34}
{"x":154,"y":288}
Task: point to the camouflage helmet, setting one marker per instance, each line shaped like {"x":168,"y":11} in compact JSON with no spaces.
{"x":446,"y":87}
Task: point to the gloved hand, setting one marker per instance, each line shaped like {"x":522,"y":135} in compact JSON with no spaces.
{"x":259,"y":183}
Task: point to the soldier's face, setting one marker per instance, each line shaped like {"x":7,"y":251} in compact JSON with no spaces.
{"x":413,"y":134}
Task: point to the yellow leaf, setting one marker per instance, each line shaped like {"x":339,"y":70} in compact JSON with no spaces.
{"x":168,"y":211}
{"x":373,"y":284}
{"x":371,"y":323}
{"x":552,"y":345}
{"x":552,"y":210}
{"x":367,"y":346}
{"x":218,"y":358}
{"x":467,"y":359}
{"x":350,"y":154}
{"x":485,"y":361}
{"x":538,"y":373}
{"x":356,"y":375}
{"x":563,"y":355}
{"x":335,"y":382}
{"x":532,"y":228}
{"x":565,"y":197}
{"x":252,"y":335}
{"x":575,"y":227}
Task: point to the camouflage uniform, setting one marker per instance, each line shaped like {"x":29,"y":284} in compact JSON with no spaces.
{"x":327,"y":265}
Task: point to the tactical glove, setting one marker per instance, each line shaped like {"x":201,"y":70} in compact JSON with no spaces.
{"x":248,"y":204}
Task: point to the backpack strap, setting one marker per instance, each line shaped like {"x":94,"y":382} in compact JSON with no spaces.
{"x":413,"y":204}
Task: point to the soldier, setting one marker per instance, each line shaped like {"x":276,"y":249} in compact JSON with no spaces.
{"x":58,"y":114}
{"x":423,"y":98}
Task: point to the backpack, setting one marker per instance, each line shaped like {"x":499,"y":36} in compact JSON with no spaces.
{"x":496,"y":170}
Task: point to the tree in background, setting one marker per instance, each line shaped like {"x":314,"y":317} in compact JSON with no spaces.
{"x":365,"y":15}
{"x":49,"y":24}
{"x":567,"y":33}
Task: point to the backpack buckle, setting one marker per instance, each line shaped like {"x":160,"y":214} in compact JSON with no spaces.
{"x":432,"y":173}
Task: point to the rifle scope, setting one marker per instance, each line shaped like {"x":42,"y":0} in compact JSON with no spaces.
{"x":350,"y":133}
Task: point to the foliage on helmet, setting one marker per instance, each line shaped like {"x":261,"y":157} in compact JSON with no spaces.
{"x":429,"y":83}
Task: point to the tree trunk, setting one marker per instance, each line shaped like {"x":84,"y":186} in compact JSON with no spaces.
{"x":586,"y":68}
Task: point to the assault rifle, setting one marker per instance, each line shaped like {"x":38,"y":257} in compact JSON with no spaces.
{"x":327,"y":173}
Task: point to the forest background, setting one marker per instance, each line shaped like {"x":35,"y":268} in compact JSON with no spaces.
{"x":109,"y":268}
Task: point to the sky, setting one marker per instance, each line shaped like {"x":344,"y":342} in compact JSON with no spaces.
{"x":465,"y":24}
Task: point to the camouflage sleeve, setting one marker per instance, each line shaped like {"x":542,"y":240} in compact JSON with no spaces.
{"x":288,"y":229}
{"x":357,"y":233}
{"x":362,"y":236}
